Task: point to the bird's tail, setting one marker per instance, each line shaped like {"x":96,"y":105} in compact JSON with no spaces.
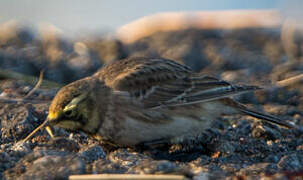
{"x":266,"y":117}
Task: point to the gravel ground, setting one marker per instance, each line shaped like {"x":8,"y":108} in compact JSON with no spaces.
{"x":236,"y":146}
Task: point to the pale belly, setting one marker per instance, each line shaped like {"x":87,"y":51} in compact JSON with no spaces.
{"x":136,"y":132}
{"x":182,"y":124}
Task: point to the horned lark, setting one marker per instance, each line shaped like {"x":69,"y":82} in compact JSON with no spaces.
{"x":139,"y":100}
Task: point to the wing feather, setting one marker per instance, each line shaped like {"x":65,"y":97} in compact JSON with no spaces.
{"x":155,"y":83}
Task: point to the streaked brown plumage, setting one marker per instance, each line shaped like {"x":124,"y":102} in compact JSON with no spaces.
{"x":139,"y":100}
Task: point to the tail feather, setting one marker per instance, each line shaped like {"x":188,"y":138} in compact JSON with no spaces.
{"x":266,"y":117}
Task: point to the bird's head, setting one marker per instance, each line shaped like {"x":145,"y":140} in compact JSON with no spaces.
{"x":77,"y":106}
{"x":72,"y":106}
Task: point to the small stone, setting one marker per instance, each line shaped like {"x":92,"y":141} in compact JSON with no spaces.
{"x":93,"y":153}
{"x":126,"y":157}
{"x":5,"y":161}
{"x":21,"y":149}
{"x":47,"y":167}
{"x":292,"y":162}
{"x":155,"y":167}
{"x":55,"y":167}
{"x":265,"y":132}
{"x":258,"y":168}
{"x":102,"y":166}
{"x":63,"y":144}
{"x":226,"y":148}
{"x":272,"y":158}
{"x":16,"y":121}
{"x":269,"y":143}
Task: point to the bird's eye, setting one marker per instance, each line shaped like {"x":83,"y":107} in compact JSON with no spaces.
{"x":68,"y":113}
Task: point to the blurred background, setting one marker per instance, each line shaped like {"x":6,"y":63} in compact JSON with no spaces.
{"x":71,"y":39}
{"x":72,"y":16}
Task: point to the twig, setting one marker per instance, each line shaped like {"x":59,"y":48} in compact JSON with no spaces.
{"x":35,"y":131}
{"x":127,"y":177}
{"x":25,"y":98}
{"x":36,"y":86}
{"x":290,"y":81}
{"x":8,"y":74}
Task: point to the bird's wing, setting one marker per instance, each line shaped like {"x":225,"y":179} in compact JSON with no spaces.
{"x":158,"y":82}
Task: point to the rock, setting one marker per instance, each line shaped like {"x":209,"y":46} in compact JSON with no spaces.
{"x":16,"y":121}
{"x":265,"y":132}
{"x":93,"y":153}
{"x":226,"y":148}
{"x":258,"y":169}
{"x":292,"y":162}
{"x":201,"y":176}
{"x":54,"y":167}
{"x":126,"y":158}
{"x":102,"y":166}
{"x":156,"y":167}
{"x":62,"y":144}
{"x":5,"y":161}
{"x":47,"y":164}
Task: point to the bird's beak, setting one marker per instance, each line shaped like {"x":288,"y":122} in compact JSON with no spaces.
{"x":45,"y":125}
{"x":49,"y":131}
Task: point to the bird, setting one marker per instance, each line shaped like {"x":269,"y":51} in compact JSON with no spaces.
{"x":147,"y":100}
